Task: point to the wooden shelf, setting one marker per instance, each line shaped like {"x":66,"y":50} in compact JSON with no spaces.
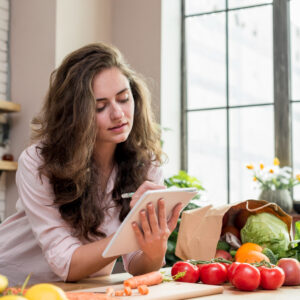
{"x":6,"y":165}
{"x":8,"y":106}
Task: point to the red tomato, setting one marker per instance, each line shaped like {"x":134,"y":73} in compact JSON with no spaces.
{"x":192,"y":272}
{"x":200,"y":266}
{"x":271,"y":278}
{"x":231,"y":270}
{"x":246,"y":277}
{"x":291,"y":268}
{"x":214,"y":273}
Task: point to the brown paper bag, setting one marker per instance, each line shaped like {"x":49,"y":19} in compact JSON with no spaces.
{"x":200,"y":229}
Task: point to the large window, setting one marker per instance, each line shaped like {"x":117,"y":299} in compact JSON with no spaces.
{"x":241,"y":89}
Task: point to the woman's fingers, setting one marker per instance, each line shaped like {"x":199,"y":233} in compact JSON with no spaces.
{"x":153,"y":219}
{"x":162,"y":217}
{"x":145,"y":186}
{"x":145,"y":224}
{"x":138,"y":233}
{"x":175,"y":215}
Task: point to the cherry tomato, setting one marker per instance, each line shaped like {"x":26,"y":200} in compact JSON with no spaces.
{"x":271,"y":278}
{"x":246,"y":277}
{"x":192,"y":272}
{"x":231,"y":270}
{"x":214,"y":273}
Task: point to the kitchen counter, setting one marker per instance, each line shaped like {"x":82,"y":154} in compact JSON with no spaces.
{"x":229,"y":291}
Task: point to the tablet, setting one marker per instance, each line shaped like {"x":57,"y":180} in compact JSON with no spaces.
{"x":124,"y":240}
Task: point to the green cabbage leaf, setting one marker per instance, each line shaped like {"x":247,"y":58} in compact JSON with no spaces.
{"x":267,"y":231}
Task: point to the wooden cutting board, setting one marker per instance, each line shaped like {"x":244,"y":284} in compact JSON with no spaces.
{"x":166,"y":291}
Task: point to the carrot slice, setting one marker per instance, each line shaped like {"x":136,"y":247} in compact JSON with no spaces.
{"x":110,"y":291}
{"x":143,"y":289}
{"x":128,"y":291}
{"x":148,"y":279}
{"x":119,"y":293}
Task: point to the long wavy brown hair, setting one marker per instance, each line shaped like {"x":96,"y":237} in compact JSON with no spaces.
{"x":65,"y":130}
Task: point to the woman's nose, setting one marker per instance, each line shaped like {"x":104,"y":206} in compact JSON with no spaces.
{"x":117,"y":112}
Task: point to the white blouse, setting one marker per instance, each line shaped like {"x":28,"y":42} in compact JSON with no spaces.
{"x":36,"y":239}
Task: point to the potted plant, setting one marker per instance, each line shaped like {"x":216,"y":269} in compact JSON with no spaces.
{"x":275,"y":183}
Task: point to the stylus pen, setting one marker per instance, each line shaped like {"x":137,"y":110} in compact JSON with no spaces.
{"x":127,"y":195}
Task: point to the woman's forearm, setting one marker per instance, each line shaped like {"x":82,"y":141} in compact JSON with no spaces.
{"x":87,"y":259}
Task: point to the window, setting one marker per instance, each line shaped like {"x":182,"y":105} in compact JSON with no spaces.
{"x":236,"y":87}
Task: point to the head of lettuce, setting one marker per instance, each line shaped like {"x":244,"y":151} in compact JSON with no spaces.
{"x":267,"y":231}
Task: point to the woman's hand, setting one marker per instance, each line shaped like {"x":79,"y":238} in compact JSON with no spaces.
{"x":144,"y":187}
{"x":155,"y":230}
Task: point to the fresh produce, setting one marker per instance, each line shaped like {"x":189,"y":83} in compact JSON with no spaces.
{"x":271,"y":277}
{"x":231,"y":270}
{"x":148,"y":279}
{"x":127,"y":290}
{"x":213,"y":273}
{"x":45,"y":291}
{"x":245,"y":277}
{"x":222,"y":245}
{"x":291,"y":268}
{"x":223,"y":254}
{"x":192,"y":272}
{"x":252,"y":257}
{"x":266,"y":230}
{"x":3,"y":283}
{"x":143,"y":289}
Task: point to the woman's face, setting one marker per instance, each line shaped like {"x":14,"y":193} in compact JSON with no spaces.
{"x":114,"y":106}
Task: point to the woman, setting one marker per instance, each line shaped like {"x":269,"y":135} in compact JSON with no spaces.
{"x":93,"y":140}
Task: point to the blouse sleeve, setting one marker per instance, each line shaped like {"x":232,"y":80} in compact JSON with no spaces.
{"x":155,"y":174}
{"x":52,"y":233}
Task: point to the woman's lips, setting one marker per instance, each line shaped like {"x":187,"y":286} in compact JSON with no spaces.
{"x":118,"y":127}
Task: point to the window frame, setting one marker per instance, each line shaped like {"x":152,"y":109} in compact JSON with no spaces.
{"x":281,"y":80}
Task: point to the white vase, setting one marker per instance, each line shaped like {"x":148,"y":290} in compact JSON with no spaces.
{"x":281,"y":197}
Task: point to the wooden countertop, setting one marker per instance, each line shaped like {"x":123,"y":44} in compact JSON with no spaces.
{"x":229,"y":293}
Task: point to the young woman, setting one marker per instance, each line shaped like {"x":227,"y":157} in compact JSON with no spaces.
{"x":94,"y":139}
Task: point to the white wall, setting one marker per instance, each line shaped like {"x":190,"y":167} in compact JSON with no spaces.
{"x":43,"y":32}
{"x":79,"y":23}
{"x":136,"y":31}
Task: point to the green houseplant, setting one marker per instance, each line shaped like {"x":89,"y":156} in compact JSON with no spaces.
{"x":181,"y":180}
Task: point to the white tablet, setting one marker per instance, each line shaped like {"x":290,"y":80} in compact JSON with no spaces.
{"x":124,"y":240}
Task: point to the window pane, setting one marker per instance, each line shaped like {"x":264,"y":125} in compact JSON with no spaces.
{"x":296,"y":145}
{"x":295,"y":48}
{"x":207,"y":152}
{"x":251,"y":141}
{"x":243,"y":3}
{"x":206,"y":61}
{"x":250,"y":56}
{"x":203,"y":6}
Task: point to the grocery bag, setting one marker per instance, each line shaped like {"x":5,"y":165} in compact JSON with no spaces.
{"x":200,"y":229}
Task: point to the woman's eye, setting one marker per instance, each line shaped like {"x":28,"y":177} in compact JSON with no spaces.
{"x":124,"y":100}
{"x":99,"y":109}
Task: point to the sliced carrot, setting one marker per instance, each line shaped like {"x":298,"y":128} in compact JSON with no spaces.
{"x":119,"y":293}
{"x":128,"y":291}
{"x":143,"y":289}
{"x":148,"y":279}
{"x":110,"y":291}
